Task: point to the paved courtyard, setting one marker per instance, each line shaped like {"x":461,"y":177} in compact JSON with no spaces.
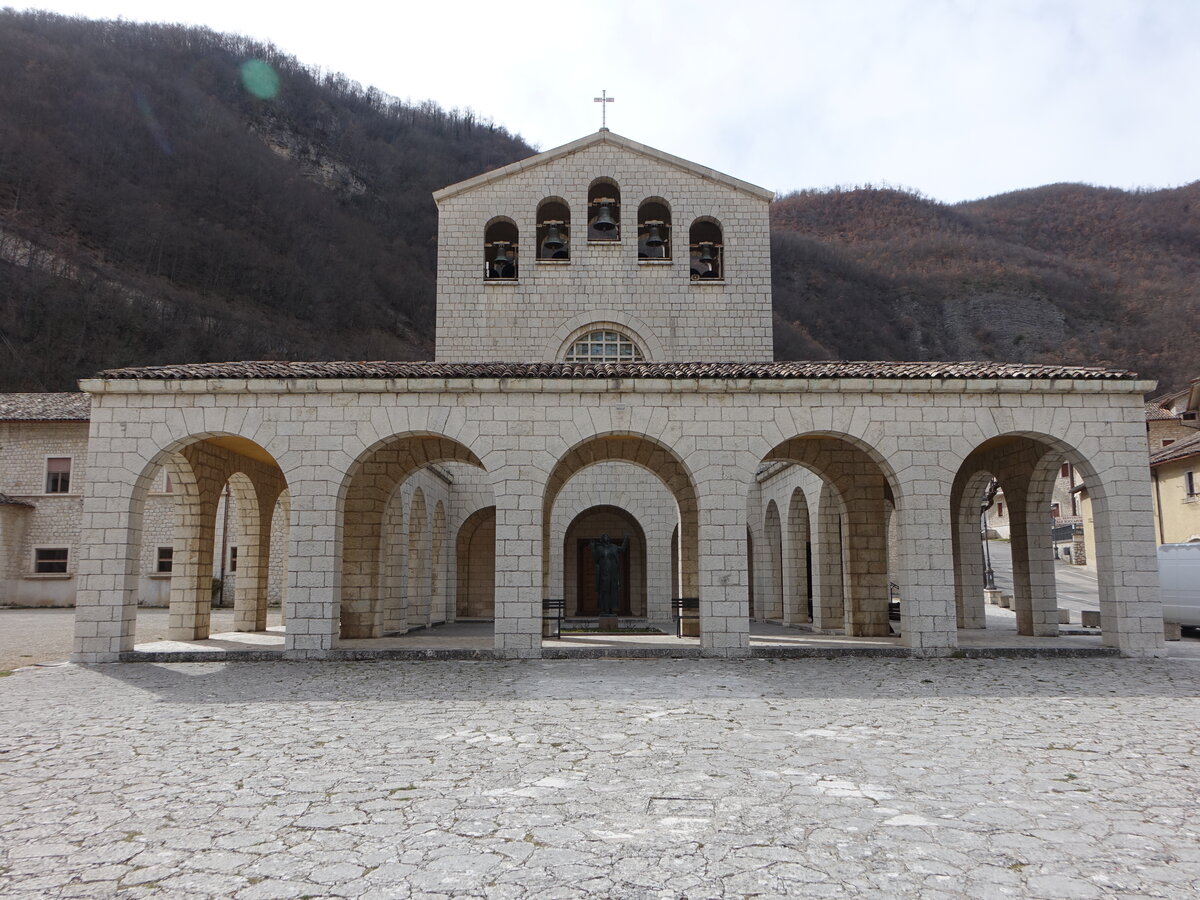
{"x":953,"y":778}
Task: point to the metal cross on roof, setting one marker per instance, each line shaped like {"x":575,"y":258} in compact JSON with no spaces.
{"x":602,"y":100}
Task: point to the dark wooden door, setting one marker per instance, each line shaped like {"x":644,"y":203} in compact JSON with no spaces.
{"x":585,"y":604}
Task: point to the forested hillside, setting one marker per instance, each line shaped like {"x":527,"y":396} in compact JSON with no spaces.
{"x":159,"y":202}
{"x":1066,"y":273}
{"x":169,"y":194}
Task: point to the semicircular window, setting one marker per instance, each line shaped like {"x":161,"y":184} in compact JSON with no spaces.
{"x":603,"y":346}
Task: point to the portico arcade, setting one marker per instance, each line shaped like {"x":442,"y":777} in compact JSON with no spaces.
{"x":424,"y":492}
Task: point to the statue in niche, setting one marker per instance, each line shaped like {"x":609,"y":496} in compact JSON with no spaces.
{"x":607,"y":556}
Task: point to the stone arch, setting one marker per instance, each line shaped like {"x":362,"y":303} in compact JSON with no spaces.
{"x":475,"y":596}
{"x":771,"y":605}
{"x":363,"y":497}
{"x":853,"y":519}
{"x":797,"y":555}
{"x":437,"y":564}
{"x":200,"y":465}
{"x":642,"y":495}
{"x":418,"y":595}
{"x":1026,"y":464}
{"x":649,"y":454}
{"x":573,"y":578}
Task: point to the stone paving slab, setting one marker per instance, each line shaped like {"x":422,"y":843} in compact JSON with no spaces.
{"x":876,"y":778}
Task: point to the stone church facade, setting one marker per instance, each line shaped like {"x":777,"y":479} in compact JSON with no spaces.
{"x":604,"y":363}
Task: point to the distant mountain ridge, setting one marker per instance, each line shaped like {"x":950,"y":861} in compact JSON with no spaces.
{"x":155,"y":209}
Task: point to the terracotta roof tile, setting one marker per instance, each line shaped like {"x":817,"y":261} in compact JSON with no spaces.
{"x":1155,"y":413}
{"x":72,"y":406}
{"x":1181,"y":449}
{"x":820,"y":369}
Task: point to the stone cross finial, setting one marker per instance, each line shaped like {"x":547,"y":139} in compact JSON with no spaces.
{"x":602,"y":100}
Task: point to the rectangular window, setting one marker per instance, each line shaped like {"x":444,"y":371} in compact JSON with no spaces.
{"x":58,"y":475}
{"x":166,"y":558}
{"x":1055,"y":510}
{"x":1066,"y":470}
{"x":1000,"y":510}
{"x":1167,"y":442}
{"x":50,"y":560}
{"x":233,"y":559}
{"x":1189,"y":479}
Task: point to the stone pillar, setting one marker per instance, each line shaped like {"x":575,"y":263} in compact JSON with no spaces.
{"x":969,"y":602}
{"x":929,"y":621}
{"x":518,"y":562}
{"x":1127,"y":556}
{"x":106,"y":565}
{"x":829,"y":600}
{"x":190,"y":612}
{"x":658,"y":577}
{"x":724,"y":575}
{"x":254,"y":567}
{"x":866,"y":561}
{"x":313,"y":601}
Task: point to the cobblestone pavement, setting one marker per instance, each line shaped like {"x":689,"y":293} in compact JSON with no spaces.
{"x":1042,"y":778}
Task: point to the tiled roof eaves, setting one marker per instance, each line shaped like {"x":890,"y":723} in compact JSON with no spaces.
{"x":1182,"y":449}
{"x":62,"y":406}
{"x":816,"y":370}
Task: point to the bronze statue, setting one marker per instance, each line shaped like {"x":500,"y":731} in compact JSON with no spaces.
{"x":607,"y":557}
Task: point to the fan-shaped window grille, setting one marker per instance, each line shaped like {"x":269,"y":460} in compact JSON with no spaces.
{"x":603,"y":347}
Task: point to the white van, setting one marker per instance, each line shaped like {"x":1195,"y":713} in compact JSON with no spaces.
{"x":1179,"y":575}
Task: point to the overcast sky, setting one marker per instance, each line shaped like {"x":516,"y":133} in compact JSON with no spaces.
{"x":957,"y":99}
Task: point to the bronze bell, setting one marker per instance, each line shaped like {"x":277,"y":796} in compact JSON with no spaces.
{"x":502,"y":260}
{"x":604,"y":221}
{"x":654,"y":238}
{"x":706,"y":252}
{"x":554,"y":240}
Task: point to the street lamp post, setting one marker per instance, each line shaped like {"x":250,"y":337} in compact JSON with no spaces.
{"x":989,"y":577}
{"x":989,"y":497}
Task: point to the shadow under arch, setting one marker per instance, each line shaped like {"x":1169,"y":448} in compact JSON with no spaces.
{"x":362,"y":501}
{"x":655,"y":457}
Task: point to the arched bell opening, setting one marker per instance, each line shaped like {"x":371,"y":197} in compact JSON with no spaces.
{"x":553,"y":230}
{"x":604,"y":210}
{"x":654,"y":229}
{"x":706,"y":247}
{"x":500,"y":239}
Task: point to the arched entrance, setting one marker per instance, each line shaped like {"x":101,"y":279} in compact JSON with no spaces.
{"x":579,"y":585}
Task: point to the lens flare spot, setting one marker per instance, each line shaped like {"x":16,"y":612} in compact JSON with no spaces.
{"x":260,"y":79}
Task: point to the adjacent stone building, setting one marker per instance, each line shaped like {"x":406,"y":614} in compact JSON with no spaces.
{"x":604,"y":365}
